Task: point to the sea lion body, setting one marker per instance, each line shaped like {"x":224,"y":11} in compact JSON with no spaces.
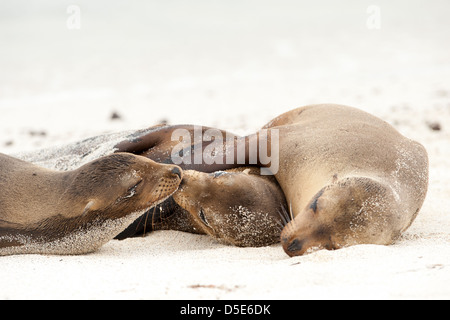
{"x":348,"y":176}
{"x":75,"y":212}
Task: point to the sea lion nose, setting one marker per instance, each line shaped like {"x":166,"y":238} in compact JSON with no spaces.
{"x":177,"y":171}
{"x":293,"y":248}
{"x":184,"y":181}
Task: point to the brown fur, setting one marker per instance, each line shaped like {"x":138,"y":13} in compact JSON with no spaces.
{"x":159,"y":143}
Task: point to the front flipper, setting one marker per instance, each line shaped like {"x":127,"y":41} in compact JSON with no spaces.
{"x":142,"y":140}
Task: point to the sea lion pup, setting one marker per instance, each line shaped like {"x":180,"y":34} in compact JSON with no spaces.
{"x":237,"y":206}
{"x":349,"y":177}
{"x":75,"y":212}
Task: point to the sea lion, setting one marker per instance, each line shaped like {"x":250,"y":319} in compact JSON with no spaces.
{"x":349,"y":177}
{"x":75,"y":212}
{"x":237,"y":207}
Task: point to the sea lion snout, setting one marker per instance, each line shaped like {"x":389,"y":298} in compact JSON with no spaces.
{"x":174,"y":173}
{"x":297,"y":242}
{"x":296,"y":246}
{"x":169,"y":181}
{"x":293,"y":247}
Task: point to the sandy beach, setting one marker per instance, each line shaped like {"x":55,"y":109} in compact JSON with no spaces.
{"x":72,"y":70}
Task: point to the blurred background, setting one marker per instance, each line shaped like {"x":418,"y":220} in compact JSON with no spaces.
{"x":72,"y":69}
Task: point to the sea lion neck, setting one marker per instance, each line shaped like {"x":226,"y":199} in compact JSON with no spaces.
{"x":56,"y":191}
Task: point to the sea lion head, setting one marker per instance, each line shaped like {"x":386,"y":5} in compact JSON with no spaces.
{"x":349,"y":212}
{"x":234,"y":207}
{"x":116,"y":185}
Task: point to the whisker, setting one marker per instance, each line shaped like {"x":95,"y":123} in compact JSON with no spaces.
{"x":145,"y":223}
{"x":284,"y":216}
{"x":288,"y":214}
{"x":153,"y":214}
{"x":140,"y":220}
{"x":279,"y":227}
{"x":282,"y":219}
{"x":290,"y":211}
{"x":153,"y":220}
{"x":280,"y":223}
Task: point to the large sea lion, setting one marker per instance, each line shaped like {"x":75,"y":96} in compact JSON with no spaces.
{"x":349,"y":177}
{"x":75,"y":212}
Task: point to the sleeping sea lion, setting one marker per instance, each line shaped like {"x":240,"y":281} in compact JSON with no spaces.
{"x":75,"y":212}
{"x":349,"y":177}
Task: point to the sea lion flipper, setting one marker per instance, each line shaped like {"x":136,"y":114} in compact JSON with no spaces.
{"x":139,"y":142}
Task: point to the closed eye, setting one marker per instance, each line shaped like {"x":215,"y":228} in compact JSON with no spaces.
{"x":132,"y":191}
{"x":202,"y":217}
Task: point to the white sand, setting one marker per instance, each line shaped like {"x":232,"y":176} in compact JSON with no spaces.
{"x":233,"y":65}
